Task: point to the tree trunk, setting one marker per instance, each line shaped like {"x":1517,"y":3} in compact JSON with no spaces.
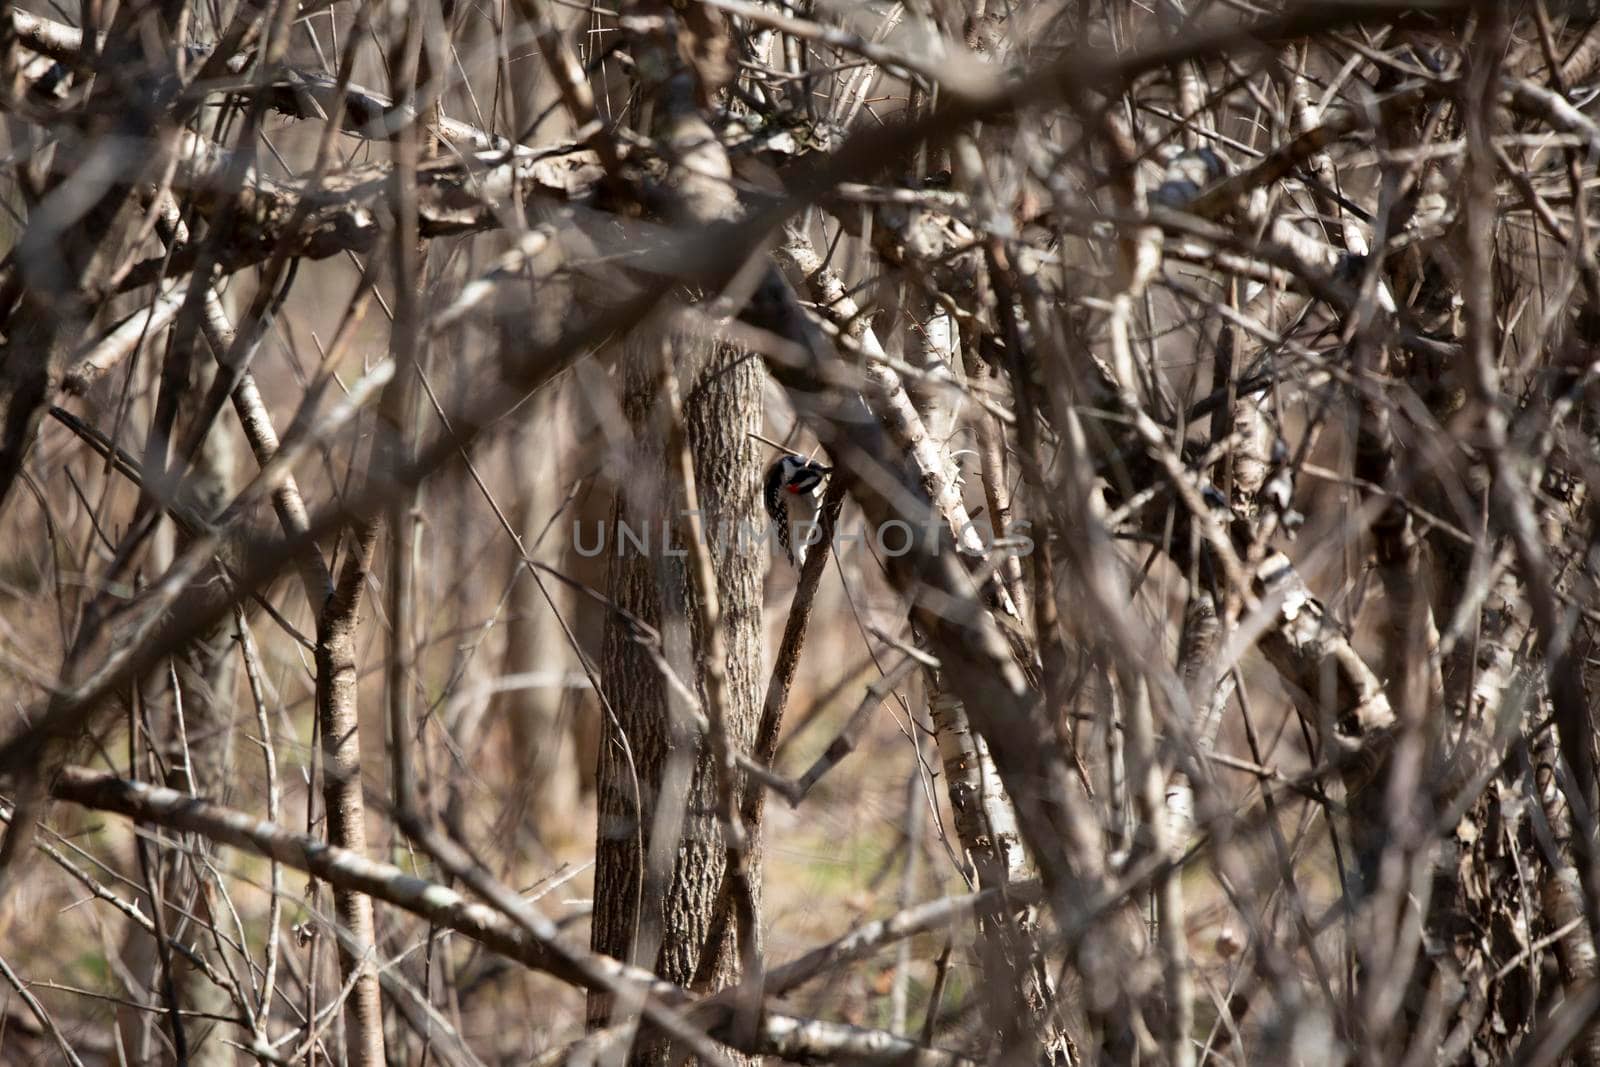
{"x":660,"y":851}
{"x":339,"y":723}
{"x":539,"y":712}
{"x":195,"y":740}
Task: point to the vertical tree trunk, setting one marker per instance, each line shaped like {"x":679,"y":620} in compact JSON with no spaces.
{"x":197,"y":749}
{"x":338,"y":720}
{"x":1019,"y":986}
{"x":538,"y":714}
{"x":660,"y":855}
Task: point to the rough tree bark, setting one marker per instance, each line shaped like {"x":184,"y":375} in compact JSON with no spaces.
{"x":660,"y":854}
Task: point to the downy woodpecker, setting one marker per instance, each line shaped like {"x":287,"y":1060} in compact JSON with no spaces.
{"x":794,"y":500}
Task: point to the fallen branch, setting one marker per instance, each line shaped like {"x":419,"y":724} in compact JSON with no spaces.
{"x":780,"y":1034}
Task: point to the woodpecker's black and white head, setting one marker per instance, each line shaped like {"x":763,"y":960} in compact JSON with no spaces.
{"x":794,"y":499}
